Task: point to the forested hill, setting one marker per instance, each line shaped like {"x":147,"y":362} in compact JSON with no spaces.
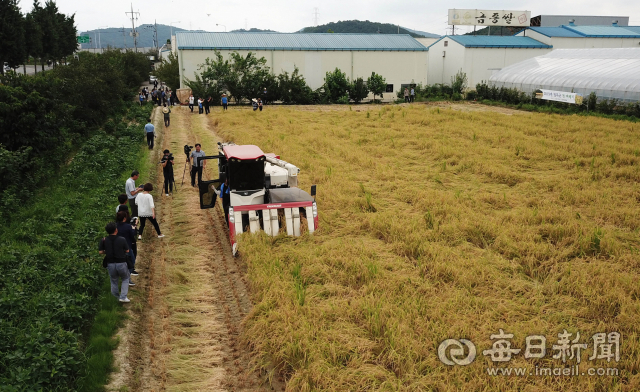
{"x":362,"y":27}
{"x":118,"y":37}
{"x":497,"y":30}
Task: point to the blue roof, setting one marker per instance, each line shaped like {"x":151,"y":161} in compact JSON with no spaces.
{"x":556,"y":32}
{"x":589,"y":31}
{"x":495,"y":41}
{"x":603,"y":31}
{"x":297,"y":41}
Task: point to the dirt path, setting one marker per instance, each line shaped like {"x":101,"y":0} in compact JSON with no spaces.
{"x":189,"y":301}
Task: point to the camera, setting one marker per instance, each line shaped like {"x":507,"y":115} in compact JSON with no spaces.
{"x":187,"y":149}
{"x":134,"y":221}
{"x":166,"y":158}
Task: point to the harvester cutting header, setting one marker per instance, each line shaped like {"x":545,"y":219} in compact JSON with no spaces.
{"x":263,"y":192}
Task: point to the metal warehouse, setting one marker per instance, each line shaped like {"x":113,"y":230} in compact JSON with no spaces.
{"x":399,"y":58}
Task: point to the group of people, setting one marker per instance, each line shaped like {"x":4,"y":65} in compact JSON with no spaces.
{"x":409,"y":96}
{"x":159,"y":96}
{"x":120,"y":244}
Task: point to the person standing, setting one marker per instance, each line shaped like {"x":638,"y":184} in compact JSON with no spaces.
{"x":122,"y":199}
{"x":225,"y":195}
{"x":200,"y":102}
{"x":207,"y":103}
{"x":224,"y":101}
{"x":115,"y":250}
{"x":155,"y":83}
{"x":132,"y":192}
{"x":260,"y":104}
{"x":128,"y":232}
{"x":149,"y":130}
{"x":141,"y":97}
{"x":413,"y":94}
{"x":406,"y":94}
{"x":166,"y":111}
{"x":191,"y":99}
{"x":198,"y":164}
{"x":264,"y":96}
{"x":147,"y":210}
{"x":167,"y":171}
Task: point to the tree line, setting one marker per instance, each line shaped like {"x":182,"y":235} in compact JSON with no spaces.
{"x":244,"y":77}
{"x":44,"y":33}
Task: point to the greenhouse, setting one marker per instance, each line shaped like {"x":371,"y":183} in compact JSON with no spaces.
{"x":612,"y":73}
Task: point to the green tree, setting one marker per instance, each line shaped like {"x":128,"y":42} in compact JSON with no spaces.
{"x":377,"y":84}
{"x":459,"y":82}
{"x":12,"y":48}
{"x":213,"y":79}
{"x":169,"y":71}
{"x":33,"y":39}
{"x":336,"y":85}
{"x":358,"y":90}
{"x":247,"y":77}
{"x":294,"y":89}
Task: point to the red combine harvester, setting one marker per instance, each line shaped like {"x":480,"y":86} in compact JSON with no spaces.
{"x":263,"y":192}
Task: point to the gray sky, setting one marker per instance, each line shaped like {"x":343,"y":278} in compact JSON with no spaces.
{"x":292,"y":15}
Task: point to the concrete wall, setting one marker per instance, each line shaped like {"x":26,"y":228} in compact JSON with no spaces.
{"x":477,"y":63}
{"x":397,"y":67}
{"x":426,"y":41}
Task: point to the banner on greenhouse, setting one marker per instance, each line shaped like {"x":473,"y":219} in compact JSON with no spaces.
{"x":560,"y":96}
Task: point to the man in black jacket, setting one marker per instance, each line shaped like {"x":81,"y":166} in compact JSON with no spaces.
{"x":115,"y":249}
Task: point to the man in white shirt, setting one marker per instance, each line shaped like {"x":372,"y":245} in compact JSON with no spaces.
{"x":191,"y":100}
{"x":132,"y":191}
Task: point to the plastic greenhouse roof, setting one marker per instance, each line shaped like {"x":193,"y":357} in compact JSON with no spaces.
{"x":609,"y":72}
{"x":493,"y":41}
{"x":298,"y":41}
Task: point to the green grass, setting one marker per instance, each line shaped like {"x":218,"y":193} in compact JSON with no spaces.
{"x":51,"y":277}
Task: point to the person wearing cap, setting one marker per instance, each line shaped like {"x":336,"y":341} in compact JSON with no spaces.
{"x":166,"y":110}
{"x":224,"y":101}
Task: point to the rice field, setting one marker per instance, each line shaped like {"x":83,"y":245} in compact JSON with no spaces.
{"x":444,"y":224}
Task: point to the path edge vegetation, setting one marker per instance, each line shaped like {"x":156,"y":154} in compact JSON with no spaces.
{"x":101,"y":341}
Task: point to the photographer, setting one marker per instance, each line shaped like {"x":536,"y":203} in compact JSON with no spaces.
{"x":198,"y":164}
{"x":167,"y":170}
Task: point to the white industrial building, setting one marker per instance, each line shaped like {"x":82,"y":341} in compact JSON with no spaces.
{"x":400,"y":59}
{"x":478,"y":56}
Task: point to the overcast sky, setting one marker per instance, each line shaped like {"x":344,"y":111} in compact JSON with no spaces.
{"x":292,"y":15}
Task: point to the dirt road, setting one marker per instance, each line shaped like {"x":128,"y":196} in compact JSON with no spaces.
{"x":186,"y":310}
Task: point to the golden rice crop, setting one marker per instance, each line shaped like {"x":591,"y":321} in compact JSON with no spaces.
{"x":437,"y":224}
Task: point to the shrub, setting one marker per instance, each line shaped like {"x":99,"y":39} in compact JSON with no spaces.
{"x":336,"y":85}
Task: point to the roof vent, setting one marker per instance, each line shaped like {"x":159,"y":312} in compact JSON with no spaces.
{"x":572,"y":22}
{"x":615,"y":23}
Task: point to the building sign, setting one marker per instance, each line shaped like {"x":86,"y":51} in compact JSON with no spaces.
{"x":560,"y":96}
{"x":489,"y":18}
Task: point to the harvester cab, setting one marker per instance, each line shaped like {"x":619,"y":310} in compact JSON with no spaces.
{"x":263,"y":193}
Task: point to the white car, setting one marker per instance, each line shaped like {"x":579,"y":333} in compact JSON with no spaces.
{"x":152,"y":79}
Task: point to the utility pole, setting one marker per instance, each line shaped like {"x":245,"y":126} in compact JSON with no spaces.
{"x":124,"y":37}
{"x":134,"y":33}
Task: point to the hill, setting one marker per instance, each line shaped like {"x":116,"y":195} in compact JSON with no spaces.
{"x":253,"y":30}
{"x":117,"y":38}
{"x":496,"y":30}
{"x":362,"y":27}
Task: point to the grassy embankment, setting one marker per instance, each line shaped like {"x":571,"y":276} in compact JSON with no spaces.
{"x":440,"y":224}
{"x":52,"y":278}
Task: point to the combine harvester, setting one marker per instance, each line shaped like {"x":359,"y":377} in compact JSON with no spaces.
{"x":263,"y":193}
